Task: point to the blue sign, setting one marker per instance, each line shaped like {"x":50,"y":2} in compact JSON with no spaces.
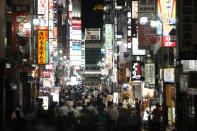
{"x":76,"y":47}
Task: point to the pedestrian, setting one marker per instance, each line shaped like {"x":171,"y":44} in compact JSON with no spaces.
{"x":157,"y":118}
{"x":17,"y":113}
{"x":18,"y":122}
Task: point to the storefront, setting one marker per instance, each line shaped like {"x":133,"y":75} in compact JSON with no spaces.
{"x":169,"y":97}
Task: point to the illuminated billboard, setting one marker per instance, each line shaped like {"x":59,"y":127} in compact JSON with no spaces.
{"x":92,"y":33}
{"x":43,"y":8}
{"x":108,"y":45}
{"x":42,"y":47}
{"x":134,"y":9}
{"x":135,"y":50}
{"x":150,"y":73}
{"x":21,"y":31}
{"x":169,"y":75}
{"x":167,"y":14}
{"x":137,"y":70}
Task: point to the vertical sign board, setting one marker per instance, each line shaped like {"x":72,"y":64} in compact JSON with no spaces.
{"x":169,"y":75}
{"x":43,"y":9}
{"x":134,"y":9}
{"x":136,"y":70}
{"x":42,"y":47}
{"x":187,"y":47}
{"x":150,"y":73}
{"x":108,"y":45}
{"x":167,"y":14}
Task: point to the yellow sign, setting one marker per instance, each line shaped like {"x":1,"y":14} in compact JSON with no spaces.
{"x":42,"y":37}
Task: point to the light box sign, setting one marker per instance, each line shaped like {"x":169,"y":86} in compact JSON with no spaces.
{"x":43,"y":8}
{"x":135,"y":50}
{"x":42,"y":47}
{"x":136,"y":70}
{"x":76,"y":22}
{"x":92,"y":34}
{"x":108,"y":45}
{"x":169,"y":75}
{"x":150,"y":73}
{"x":167,"y":14}
{"x":76,"y":47}
{"x":21,"y":31}
{"x":134,"y":9}
{"x":102,"y":50}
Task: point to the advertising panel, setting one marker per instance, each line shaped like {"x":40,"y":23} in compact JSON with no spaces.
{"x":76,"y":47}
{"x":102,"y":50}
{"x":51,"y":23}
{"x":42,"y":47}
{"x":43,"y":8}
{"x":108,"y":45}
{"x":92,"y":33}
{"x":150,"y":73}
{"x":169,"y":75}
{"x":167,"y":14}
{"x":148,"y":37}
{"x":76,"y":22}
{"x":136,"y":70}
{"x":134,"y":9}
{"x":21,"y":19}
{"x":45,"y":102}
{"x":135,"y":50}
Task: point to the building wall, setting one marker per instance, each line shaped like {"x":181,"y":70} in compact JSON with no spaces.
{"x":2,"y":29}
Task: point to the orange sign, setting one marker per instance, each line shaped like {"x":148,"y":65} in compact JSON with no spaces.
{"x":42,"y":37}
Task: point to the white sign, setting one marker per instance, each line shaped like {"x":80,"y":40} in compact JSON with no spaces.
{"x":150,"y":73}
{"x":135,"y":50}
{"x":169,"y":75}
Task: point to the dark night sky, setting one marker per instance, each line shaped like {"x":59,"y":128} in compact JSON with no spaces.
{"x":91,"y":18}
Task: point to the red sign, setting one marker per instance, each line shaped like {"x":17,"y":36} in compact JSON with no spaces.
{"x":70,"y":15}
{"x":76,"y":27}
{"x":167,"y":42}
{"x":76,"y":22}
{"x":51,"y":4}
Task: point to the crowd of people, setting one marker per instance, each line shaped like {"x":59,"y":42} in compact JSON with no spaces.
{"x":80,"y":108}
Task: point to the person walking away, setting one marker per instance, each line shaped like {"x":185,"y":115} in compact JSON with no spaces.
{"x":157,"y":118}
{"x":17,"y":118}
{"x":112,"y":111}
{"x":62,"y":123}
